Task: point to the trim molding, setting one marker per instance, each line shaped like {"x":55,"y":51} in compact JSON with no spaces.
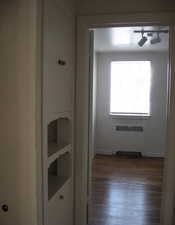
{"x":110,"y":152}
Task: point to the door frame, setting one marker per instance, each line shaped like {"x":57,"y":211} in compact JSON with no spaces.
{"x":82,"y":110}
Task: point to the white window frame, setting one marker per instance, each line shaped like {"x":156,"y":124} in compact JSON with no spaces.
{"x":130,"y":115}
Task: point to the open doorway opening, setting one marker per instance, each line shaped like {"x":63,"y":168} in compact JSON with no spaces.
{"x":128,"y":124}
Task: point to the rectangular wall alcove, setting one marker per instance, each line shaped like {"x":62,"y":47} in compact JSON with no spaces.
{"x":59,"y":135}
{"x":58,"y":173}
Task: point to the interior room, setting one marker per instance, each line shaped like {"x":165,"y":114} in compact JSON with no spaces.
{"x":129,"y":122}
{"x":87,"y":112}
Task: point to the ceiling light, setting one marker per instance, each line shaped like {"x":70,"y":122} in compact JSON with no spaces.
{"x":150,"y":34}
{"x":156,"y":39}
{"x":143,"y":40}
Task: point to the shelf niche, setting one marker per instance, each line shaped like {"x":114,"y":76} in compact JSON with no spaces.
{"x":58,"y":173}
{"x":58,"y":135}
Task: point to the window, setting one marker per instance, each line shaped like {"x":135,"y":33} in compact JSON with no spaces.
{"x":130,"y":88}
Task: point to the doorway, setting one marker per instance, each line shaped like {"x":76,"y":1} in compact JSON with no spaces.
{"x":82,"y":189}
{"x":128,"y":124}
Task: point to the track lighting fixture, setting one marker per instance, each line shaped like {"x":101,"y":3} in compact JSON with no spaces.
{"x":156,"y":40}
{"x":150,"y":33}
{"x":143,"y":40}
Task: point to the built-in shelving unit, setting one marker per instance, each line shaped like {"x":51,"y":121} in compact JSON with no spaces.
{"x":57,"y":112}
{"x":58,"y":173}
{"x":59,"y":153}
{"x":56,"y":155}
{"x":59,"y":135}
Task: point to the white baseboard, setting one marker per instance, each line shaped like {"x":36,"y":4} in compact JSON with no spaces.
{"x":111,"y":152}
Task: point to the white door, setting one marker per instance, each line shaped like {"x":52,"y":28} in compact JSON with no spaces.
{"x":9,"y":116}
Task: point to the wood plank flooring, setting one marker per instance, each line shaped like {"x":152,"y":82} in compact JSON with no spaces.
{"x":126,"y":191}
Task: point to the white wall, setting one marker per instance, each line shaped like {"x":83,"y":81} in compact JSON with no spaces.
{"x":151,"y":141}
{"x":18,"y":69}
{"x":94,"y":7}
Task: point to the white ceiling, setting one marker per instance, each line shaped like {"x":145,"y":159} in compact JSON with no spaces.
{"x":124,"y":39}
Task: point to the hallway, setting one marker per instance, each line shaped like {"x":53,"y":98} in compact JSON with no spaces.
{"x":126,"y":191}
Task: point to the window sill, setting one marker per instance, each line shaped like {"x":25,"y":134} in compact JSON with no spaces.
{"x":129,"y":116}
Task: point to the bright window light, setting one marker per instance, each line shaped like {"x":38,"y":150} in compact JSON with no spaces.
{"x":130,"y":88}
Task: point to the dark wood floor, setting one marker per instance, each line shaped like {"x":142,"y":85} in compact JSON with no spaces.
{"x":126,"y":191}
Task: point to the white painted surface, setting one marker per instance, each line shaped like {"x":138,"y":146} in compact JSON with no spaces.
{"x":96,"y":7}
{"x":124,"y":39}
{"x":59,"y":212}
{"x":58,"y":100}
{"x":94,"y":98}
{"x":58,"y":45}
{"x":151,"y":142}
{"x":18,"y":138}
